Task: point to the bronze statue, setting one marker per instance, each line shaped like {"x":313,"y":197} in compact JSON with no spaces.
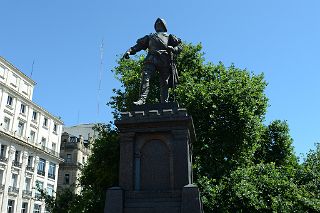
{"x":162,"y":48}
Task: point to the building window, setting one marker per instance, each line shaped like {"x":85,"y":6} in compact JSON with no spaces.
{"x":20,"y":128}
{"x":6,"y":123}
{"x":37,"y":208}
{"x":52,"y":170}
{"x":1,"y":177}
{"x":24,"y":87}
{"x":55,"y":128}
{"x":24,"y":208}
{"x":23,"y":109}
{"x":16,"y":161}
{"x":45,"y":122}
{"x":10,"y":206}
{"x":34,"y":115}
{"x":3,"y":149}
{"x":43,"y":141}
{"x":41,"y":166}
{"x":17,"y":156}
{"x":14,"y":180}
{"x":32,"y":136}
{"x":66,"y":179}
{"x":9,"y":100}
{"x":27,"y":184}
{"x":13,"y":79}
{"x":50,"y":190}
{"x":68,"y":158}
{"x":39,"y":186}
{"x":73,"y":139}
{"x":2,"y":71}
{"x":30,"y":161}
{"x":54,"y":146}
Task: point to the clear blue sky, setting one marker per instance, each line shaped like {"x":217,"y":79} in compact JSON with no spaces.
{"x":63,"y":38}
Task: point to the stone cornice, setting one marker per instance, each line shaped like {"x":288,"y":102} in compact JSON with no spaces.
{"x":28,"y":101}
{"x":32,"y":147}
{"x":17,"y":70}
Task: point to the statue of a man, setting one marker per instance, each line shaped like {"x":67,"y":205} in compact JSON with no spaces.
{"x":162,"y":47}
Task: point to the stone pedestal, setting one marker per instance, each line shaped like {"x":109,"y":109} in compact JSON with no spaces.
{"x":155,"y":162}
{"x":114,"y":200}
{"x":190,"y":199}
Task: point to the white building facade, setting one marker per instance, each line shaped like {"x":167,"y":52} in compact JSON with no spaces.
{"x":30,"y":139}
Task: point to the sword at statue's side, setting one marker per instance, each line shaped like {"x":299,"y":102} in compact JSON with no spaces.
{"x":174,"y":75}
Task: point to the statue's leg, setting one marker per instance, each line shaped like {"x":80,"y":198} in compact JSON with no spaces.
{"x":164,"y":84}
{"x":147,"y":72}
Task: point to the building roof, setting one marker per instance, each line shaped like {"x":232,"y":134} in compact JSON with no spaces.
{"x":17,"y":70}
{"x":82,"y":129}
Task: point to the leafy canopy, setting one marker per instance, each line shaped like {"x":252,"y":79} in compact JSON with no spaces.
{"x":240,"y":164}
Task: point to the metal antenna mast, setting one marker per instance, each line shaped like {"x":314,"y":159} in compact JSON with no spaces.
{"x":100,"y":75}
{"x":32,"y":68}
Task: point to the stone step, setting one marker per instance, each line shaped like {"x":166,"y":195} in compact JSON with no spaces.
{"x":151,"y":201}
{"x":151,"y":204}
{"x":153,"y":194}
{"x":153,"y":210}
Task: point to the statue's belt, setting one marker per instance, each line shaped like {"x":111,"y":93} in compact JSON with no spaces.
{"x":158,"y":52}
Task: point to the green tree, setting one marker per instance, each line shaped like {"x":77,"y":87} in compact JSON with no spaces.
{"x":240,"y":164}
{"x":64,"y":200}
{"x":309,"y":174}
{"x":231,"y":102}
{"x":276,"y":146}
{"x":101,"y":171}
{"x":261,"y":187}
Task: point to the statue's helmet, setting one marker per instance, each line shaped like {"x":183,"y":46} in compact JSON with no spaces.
{"x":160,"y":25}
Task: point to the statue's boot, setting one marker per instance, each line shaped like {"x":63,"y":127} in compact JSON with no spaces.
{"x":144,"y":89}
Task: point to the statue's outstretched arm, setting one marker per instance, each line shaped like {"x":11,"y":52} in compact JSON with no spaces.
{"x":142,"y":44}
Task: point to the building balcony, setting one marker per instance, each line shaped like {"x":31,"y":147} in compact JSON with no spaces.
{"x":70,"y":145}
{"x":13,"y":190}
{"x":39,"y":172}
{"x":3,"y":159}
{"x":51,"y":151}
{"x":16,"y":163}
{"x":37,"y":196}
{"x":52,"y":176}
{"x":68,"y":161}
{"x":54,"y":152}
{"x":30,"y":168}
{"x":7,"y":131}
{"x":27,"y":193}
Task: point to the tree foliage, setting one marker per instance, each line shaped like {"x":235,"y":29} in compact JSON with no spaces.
{"x":240,"y":164}
{"x":101,"y":171}
{"x":57,"y":203}
{"x":231,"y":101}
{"x":309,"y":174}
{"x":262,"y":187}
{"x":232,"y":106}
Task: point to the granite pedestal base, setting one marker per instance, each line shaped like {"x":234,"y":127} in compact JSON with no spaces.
{"x":155,"y":174}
